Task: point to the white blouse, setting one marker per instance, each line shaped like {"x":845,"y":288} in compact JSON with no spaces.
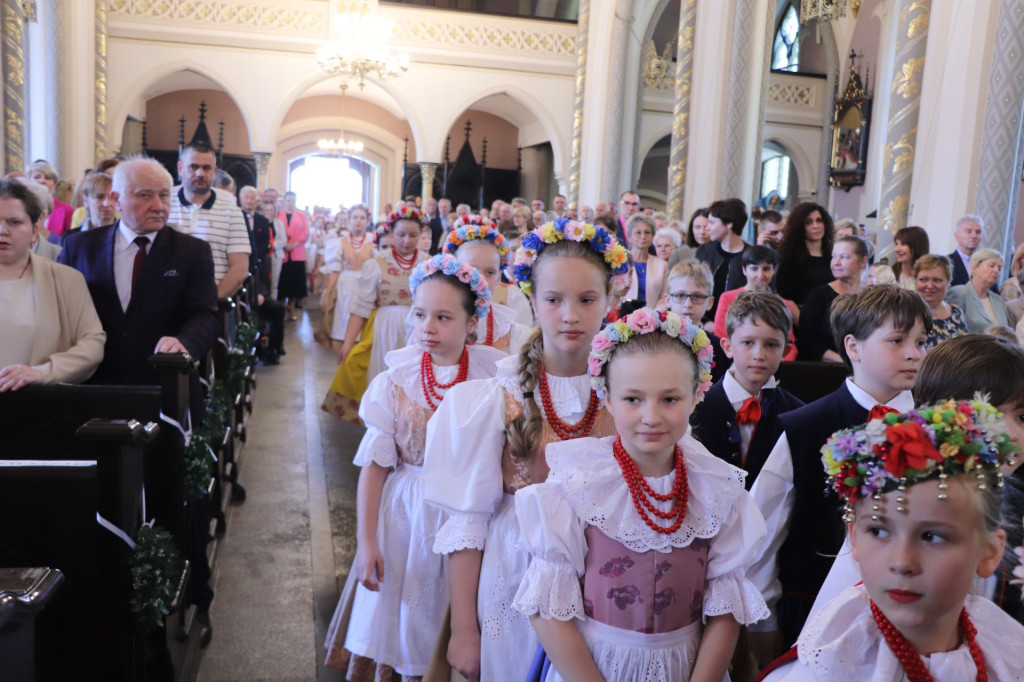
{"x":18,"y":320}
{"x":586,"y":488}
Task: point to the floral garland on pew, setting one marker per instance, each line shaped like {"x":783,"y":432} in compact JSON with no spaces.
{"x":155,"y":567}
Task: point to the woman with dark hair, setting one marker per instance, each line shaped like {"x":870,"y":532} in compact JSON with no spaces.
{"x":697,"y":233}
{"x":805,"y":252}
{"x":910,"y":244}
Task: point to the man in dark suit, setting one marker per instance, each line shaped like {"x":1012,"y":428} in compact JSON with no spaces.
{"x":968,"y":238}
{"x":437,"y":231}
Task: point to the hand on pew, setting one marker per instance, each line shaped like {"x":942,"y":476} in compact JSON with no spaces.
{"x":169,"y":344}
{"x":13,"y":377}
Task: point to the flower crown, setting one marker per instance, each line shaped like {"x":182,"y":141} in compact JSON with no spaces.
{"x":599,"y":239}
{"x":407,"y":213}
{"x":898,"y":450}
{"x":467,"y":228}
{"x":645,"y":321}
{"x":448,"y":265}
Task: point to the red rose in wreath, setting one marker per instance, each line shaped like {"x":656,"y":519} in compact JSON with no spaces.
{"x":909,"y":448}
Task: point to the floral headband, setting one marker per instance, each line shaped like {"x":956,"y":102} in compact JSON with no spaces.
{"x":645,"y":321}
{"x":448,"y":265}
{"x":407,"y":213}
{"x":599,"y":239}
{"x":467,"y":228}
{"x":898,"y":450}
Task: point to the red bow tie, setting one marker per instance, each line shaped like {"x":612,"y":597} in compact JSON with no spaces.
{"x":749,"y":412}
{"x":879,"y":411}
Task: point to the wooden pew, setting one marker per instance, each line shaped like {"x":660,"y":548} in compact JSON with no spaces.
{"x":24,"y":593}
{"x":811,"y":380}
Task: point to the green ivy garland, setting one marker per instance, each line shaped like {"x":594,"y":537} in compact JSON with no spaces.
{"x":155,"y":568}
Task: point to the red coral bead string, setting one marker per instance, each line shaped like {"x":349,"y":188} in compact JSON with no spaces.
{"x":641,"y":492}
{"x":563,"y":430}
{"x":352,"y":241}
{"x":908,"y":657}
{"x":403,"y":263}
{"x":489,"y":341}
{"x":431,"y":384}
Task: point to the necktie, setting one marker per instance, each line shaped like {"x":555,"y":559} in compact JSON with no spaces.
{"x":749,"y":412}
{"x":140,"y":257}
{"x":879,"y":411}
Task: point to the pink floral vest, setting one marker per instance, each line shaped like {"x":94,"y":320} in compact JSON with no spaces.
{"x":410,"y":427}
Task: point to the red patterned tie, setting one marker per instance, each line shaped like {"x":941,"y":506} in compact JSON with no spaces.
{"x":879,"y":412}
{"x":749,"y":412}
{"x":140,"y":258}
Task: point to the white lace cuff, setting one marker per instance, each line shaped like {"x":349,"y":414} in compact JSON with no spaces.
{"x":733,"y":593}
{"x":462,"y":530}
{"x":376,"y":447}
{"x":550,"y":589}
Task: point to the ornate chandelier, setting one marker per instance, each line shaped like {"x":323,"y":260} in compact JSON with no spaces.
{"x":341,"y":145}
{"x":826,"y":10}
{"x":357,"y":43}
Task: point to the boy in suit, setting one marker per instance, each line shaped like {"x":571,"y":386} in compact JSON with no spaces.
{"x":881,"y":332}
{"x":738,"y":420}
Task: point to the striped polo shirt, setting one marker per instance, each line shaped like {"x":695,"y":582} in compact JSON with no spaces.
{"x":218,"y":222}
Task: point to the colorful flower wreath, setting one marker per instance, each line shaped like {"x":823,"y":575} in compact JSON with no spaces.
{"x":645,"y":321}
{"x":447,"y":264}
{"x":903,"y":449}
{"x":599,"y":239}
{"x":467,"y":228}
{"x":407,"y":213}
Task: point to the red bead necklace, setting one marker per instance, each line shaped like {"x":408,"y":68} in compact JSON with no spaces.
{"x":563,"y":430}
{"x":403,"y":263}
{"x":641,"y":492}
{"x":352,"y":241}
{"x":431,"y":384}
{"x":907,"y":654}
{"x":489,"y":340}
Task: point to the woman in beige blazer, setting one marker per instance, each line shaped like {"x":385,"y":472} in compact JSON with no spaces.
{"x":50,"y":328}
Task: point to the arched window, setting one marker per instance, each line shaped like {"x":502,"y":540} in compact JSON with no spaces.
{"x":786,"y":50}
{"x":320,"y":180}
{"x":775,"y":167}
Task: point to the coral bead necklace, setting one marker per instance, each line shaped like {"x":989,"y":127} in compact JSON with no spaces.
{"x":403,"y":263}
{"x":911,"y":661}
{"x":561,"y":429}
{"x":642,"y":493}
{"x":489,"y":339}
{"x":431,"y":384}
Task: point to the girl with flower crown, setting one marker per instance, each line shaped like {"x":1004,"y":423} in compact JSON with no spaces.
{"x":377,"y":312}
{"x":476,"y":241}
{"x":487,"y":441}
{"x":355,"y":248}
{"x":923,"y":492}
{"x":403,"y":587}
{"x":640,"y":541}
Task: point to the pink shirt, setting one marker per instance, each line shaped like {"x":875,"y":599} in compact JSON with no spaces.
{"x":726,"y":299}
{"x":297,"y":232}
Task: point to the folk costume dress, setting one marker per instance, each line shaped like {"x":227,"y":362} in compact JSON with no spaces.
{"x":638,"y":597}
{"x":352,"y":254}
{"x":382,"y":296}
{"x":397,"y":626}
{"x":511,"y":296}
{"x":471,"y":476}
{"x":842,"y":643}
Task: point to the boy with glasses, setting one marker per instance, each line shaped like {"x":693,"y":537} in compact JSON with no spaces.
{"x":689,"y":294}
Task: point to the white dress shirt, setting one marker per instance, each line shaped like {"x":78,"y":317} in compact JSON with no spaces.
{"x":124,"y":260}
{"x":773,"y":493}
{"x":738,"y":395}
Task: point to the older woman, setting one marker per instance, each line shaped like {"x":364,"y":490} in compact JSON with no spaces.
{"x":666,"y":240}
{"x":51,"y":331}
{"x":649,"y":272}
{"x":982,"y":307}
{"x":814,"y":336}
{"x":931,"y":277}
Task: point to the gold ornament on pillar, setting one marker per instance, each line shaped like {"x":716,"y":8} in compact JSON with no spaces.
{"x":827,"y":10}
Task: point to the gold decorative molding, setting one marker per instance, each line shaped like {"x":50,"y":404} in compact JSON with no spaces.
{"x":100,"y":98}
{"x":582,"y":25}
{"x":13,"y":54}
{"x":428,"y":171}
{"x":906,"y":83}
{"x":894,"y":216}
{"x":261,"y":15}
{"x":680,"y":143}
{"x":262,"y":160}
{"x":918,"y":25}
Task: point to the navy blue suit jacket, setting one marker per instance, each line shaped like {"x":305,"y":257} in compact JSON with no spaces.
{"x":960,"y":274}
{"x":175,"y":295}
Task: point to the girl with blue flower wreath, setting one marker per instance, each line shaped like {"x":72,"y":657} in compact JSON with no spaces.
{"x":402,"y":592}
{"x":477,"y":241}
{"x":378,"y":306}
{"x":641,"y":540}
{"x":488,"y":439}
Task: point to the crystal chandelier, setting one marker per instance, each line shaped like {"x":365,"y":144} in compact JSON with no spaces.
{"x":357,"y":43}
{"x":341,"y":145}
{"x":826,"y":10}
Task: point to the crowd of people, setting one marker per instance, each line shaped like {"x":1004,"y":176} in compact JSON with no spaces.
{"x":577,"y":460}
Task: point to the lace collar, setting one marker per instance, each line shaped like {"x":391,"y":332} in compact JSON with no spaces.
{"x":586,"y":470}
{"x":569,"y":395}
{"x":404,"y":368}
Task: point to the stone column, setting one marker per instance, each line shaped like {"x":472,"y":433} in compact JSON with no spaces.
{"x":681,"y":111}
{"x":12,"y":54}
{"x":102,"y":149}
{"x":738,"y":143}
{"x":262,"y":164}
{"x":582,"y":24}
{"x":427,"y":171}
{"x":904,"y":108}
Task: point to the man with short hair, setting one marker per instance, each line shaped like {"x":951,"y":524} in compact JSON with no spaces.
{"x":197,"y":209}
{"x":558,"y":205}
{"x":505,"y":218}
{"x":271,"y":310}
{"x":968,"y":238}
{"x":437,"y":231}
{"x":517,"y":202}
{"x":769,"y":229}
{"x":222,"y":180}
{"x":629,"y":203}
{"x":463,"y":210}
{"x":537,"y":205}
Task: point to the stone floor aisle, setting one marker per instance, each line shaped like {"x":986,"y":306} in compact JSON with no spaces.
{"x":291,"y":542}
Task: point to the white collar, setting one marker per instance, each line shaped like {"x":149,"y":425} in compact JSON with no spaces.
{"x":903,"y":402}
{"x":128,"y":237}
{"x":735,"y":392}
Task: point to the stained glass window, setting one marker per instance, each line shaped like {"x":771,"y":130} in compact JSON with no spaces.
{"x":786,"y":52}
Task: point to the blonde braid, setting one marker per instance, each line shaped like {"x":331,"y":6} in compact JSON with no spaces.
{"x":524,"y":432}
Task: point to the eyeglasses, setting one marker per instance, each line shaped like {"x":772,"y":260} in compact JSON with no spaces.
{"x":680,"y":297}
